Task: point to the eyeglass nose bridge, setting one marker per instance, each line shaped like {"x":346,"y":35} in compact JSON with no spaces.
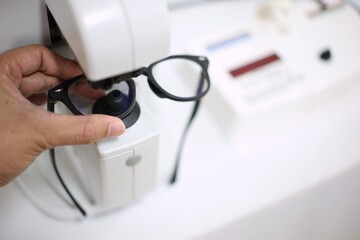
{"x":108,"y":83}
{"x":140,"y":71}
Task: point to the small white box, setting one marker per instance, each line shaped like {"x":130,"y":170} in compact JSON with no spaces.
{"x":261,"y":80}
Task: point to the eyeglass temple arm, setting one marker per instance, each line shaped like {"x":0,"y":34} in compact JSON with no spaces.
{"x":50,"y":105}
{"x":186,"y":130}
{"x":51,"y":108}
{"x":182,"y":142}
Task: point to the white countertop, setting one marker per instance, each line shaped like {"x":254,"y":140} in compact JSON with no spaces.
{"x":304,"y":184}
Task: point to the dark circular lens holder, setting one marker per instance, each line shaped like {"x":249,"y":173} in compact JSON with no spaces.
{"x":118,"y":104}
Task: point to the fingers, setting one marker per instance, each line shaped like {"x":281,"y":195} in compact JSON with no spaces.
{"x":35,"y":69}
{"x":38,"y":99}
{"x":61,"y":130}
{"x":38,"y":83}
{"x":83,"y":89}
{"x":28,"y":60}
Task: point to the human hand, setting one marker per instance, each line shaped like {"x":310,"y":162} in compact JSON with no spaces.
{"x":26,"y":129}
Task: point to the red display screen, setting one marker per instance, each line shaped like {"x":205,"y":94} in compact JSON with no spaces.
{"x":254,"y":65}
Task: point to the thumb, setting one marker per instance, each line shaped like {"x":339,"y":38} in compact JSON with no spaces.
{"x":73,"y":130}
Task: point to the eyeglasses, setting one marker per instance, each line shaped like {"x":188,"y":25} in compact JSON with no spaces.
{"x":180,"y":78}
{"x":78,"y":94}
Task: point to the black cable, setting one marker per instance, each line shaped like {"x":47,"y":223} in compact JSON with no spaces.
{"x":53,"y":161}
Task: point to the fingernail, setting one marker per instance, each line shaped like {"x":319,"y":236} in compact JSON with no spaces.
{"x":116,"y":128}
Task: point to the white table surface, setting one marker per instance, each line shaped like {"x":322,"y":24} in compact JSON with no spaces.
{"x":301,"y":185}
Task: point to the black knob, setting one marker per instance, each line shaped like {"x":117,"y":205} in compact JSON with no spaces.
{"x":114,"y":103}
{"x":325,"y":55}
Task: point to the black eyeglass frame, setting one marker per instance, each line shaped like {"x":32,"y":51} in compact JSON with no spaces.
{"x":60,"y":92}
{"x":202,"y":61}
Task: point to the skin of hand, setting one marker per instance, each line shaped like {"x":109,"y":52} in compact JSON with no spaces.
{"x":26,"y":129}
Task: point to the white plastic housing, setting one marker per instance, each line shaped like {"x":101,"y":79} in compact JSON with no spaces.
{"x":103,"y":177}
{"x":123,"y":169}
{"x":110,"y":37}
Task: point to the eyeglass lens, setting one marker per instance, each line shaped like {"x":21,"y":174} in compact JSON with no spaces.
{"x":180,"y":77}
{"x":88,"y":100}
